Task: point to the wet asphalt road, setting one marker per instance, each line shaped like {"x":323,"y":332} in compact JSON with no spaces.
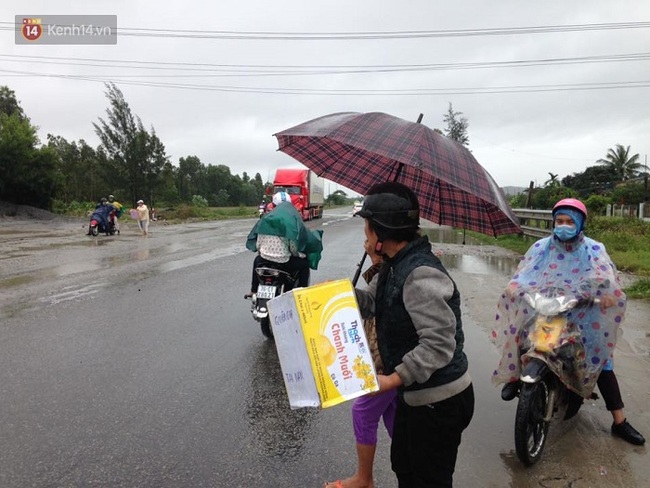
{"x":134,"y":362}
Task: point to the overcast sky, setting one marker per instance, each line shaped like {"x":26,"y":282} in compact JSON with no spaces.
{"x":523,"y":121}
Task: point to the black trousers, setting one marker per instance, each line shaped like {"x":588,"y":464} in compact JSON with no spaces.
{"x":301,"y":265}
{"x":608,"y":386}
{"x":426,"y":439}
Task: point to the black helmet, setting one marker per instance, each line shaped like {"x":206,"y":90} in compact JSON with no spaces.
{"x":392,"y":206}
{"x":111,"y":198}
{"x":103,"y":200}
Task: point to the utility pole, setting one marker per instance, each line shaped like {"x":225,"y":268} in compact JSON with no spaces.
{"x":529,"y":198}
{"x":645,"y":180}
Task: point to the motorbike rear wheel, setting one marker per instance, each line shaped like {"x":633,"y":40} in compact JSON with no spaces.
{"x":530,"y":428}
{"x":94,"y":230}
{"x":266,"y":328}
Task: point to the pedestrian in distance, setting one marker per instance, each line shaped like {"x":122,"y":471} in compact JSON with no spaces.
{"x":143,"y":217}
{"x":369,"y":410}
{"x":580,"y":266}
{"x":420,"y":337}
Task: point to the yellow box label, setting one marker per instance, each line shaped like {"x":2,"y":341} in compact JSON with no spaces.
{"x":336,"y":344}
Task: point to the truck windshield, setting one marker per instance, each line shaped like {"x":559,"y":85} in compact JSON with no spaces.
{"x":291,"y":190}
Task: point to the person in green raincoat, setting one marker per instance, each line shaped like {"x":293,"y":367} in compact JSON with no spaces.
{"x":281,"y":237}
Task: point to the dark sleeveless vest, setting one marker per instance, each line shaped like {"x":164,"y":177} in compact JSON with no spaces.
{"x":395,"y":331}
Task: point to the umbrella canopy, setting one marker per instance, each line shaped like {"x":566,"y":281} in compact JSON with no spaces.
{"x":358,"y":150}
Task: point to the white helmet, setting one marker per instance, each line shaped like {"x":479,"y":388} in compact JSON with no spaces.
{"x":280,"y":197}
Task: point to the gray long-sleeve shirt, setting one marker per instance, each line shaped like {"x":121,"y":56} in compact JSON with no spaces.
{"x":425,"y":295}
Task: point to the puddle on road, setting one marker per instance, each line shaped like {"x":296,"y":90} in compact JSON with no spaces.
{"x":199,"y":259}
{"x":448,"y":235}
{"x":26,"y":250}
{"x":480,"y":264}
{"x":17,"y":281}
{"x":469,"y":263}
{"x":54,"y":272}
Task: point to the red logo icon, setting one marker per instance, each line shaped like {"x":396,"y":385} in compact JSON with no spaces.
{"x":32,"y":29}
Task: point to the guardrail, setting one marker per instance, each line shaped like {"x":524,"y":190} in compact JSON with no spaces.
{"x":535,"y":223}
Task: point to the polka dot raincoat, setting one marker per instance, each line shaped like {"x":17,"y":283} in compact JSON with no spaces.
{"x":581,"y":270}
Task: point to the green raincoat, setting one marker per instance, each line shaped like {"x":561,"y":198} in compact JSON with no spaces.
{"x":285,"y":221}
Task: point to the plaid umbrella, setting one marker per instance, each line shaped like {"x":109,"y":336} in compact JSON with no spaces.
{"x":358,"y":150}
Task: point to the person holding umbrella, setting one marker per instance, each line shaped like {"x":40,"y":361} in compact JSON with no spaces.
{"x":420,"y":337}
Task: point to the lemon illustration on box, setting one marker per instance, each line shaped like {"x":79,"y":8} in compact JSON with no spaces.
{"x":323,"y":350}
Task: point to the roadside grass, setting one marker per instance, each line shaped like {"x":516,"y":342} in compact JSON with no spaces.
{"x":627,"y":241}
{"x":183,"y":213}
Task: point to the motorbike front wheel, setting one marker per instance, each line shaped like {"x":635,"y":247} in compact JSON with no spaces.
{"x":530,"y":428}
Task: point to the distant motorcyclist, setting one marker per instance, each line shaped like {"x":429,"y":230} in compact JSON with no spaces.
{"x":102,"y":213}
{"x":119,"y":210}
{"x":261,"y":208}
{"x":280,"y":237}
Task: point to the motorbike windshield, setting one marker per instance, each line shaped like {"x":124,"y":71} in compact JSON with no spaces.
{"x":578,"y":271}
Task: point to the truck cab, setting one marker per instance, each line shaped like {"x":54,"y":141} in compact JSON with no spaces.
{"x":305,"y":188}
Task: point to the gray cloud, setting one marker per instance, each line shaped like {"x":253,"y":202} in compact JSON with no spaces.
{"x":518,"y":137}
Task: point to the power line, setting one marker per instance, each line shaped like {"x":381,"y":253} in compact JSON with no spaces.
{"x":284,"y":70}
{"x":354,"y":92}
{"x":370,"y":35}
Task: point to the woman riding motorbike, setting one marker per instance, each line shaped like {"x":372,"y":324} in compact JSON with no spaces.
{"x":281,"y":239}
{"x":572,"y":264}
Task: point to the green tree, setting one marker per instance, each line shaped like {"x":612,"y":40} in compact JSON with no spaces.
{"x":167,"y":184}
{"x":191,"y":176}
{"x":552,"y":182}
{"x":628,"y":193}
{"x":456,"y":129}
{"x":595,"y":179}
{"x":337,"y":198}
{"x":79,"y":163}
{"x":597,"y":204}
{"x":135,"y":157}
{"x":258,"y":183}
{"x":620,"y":163}
{"x":9,"y":105}
{"x":222,"y":186}
{"x":155,"y":160}
{"x":29,"y":173}
{"x":545,"y":198}
{"x":519,"y":201}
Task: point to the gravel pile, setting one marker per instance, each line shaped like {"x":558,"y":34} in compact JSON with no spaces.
{"x":24,"y":212}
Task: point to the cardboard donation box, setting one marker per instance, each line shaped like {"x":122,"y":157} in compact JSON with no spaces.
{"x":324,"y":355}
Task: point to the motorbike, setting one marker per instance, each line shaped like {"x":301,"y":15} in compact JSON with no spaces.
{"x":554,"y":371}
{"x":100,"y":222}
{"x":273,"y":282}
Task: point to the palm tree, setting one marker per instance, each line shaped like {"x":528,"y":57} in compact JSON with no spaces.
{"x":552,"y":182}
{"x":620,"y":163}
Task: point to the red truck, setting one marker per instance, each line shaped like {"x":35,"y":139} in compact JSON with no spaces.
{"x":307,"y":190}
